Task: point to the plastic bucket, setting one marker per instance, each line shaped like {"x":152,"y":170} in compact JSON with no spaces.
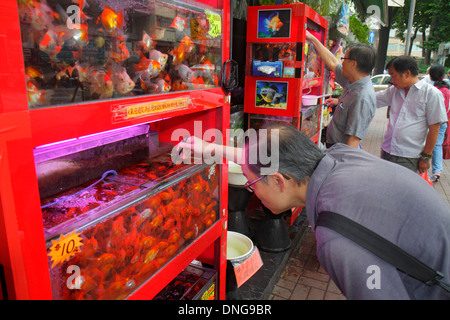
{"x":235,"y":175}
{"x":238,"y":245}
{"x":309,"y":100}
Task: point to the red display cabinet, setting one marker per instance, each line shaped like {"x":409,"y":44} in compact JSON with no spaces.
{"x":95,"y":95}
{"x":282,"y":66}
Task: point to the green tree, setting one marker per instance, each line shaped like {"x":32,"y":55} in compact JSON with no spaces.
{"x":434,"y":15}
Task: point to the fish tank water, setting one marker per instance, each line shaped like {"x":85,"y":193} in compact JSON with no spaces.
{"x":116,"y":209}
{"x":78,"y":51}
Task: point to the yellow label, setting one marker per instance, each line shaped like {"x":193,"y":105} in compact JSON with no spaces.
{"x":65,"y":247}
{"x":215,"y":23}
{"x":148,"y":108}
{"x":209,"y":294}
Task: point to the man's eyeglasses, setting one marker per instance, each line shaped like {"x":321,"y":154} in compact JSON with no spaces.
{"x":248,"y":185}
{"x":347,"y":58}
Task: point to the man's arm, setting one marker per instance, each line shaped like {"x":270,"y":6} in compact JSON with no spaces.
{"x":353,"y":141}
{"x":330,"y":60}
{"x":430,"y":143}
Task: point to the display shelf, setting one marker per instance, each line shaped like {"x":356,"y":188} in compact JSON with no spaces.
{"x":26,"y":126}
{"x":281,"y":64}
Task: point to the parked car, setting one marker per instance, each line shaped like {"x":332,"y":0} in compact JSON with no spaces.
{"x":381,"y":81}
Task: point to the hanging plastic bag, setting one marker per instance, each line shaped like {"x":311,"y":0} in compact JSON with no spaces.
{"x":425,"y":177}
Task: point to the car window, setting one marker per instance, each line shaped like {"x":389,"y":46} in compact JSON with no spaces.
{"x":386,"y":80}
{"x":376,"y":80}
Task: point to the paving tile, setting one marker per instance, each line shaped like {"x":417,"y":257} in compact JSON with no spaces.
{"x":316,"y":294}
{"x":300,"y":292}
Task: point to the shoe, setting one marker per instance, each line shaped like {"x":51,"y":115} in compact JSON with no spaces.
{"x":435,"y":177}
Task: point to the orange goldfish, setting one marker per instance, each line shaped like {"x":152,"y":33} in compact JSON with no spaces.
{"x":146,"y":83}
{"x":187,"y":44}
{"x":51,"y":43}
{"x":121,"y":54}
{"x":273,"y":23}
{"x":206,"y":69}
{"x":178,"y":53}
{"x":82,"y":4}
{"x":100,"y":83}
{"x":162,"y":85}
{"x":110,"y":19}
{"x":178,"y":23}
{"x":152,"y":67}
{"x":33,"y":72}
{"x":80,"y":34}
{"x":35,"y":96}
{"x":159,"y":56}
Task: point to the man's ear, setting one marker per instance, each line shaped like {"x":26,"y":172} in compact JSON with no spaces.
{"x":279,"y":181}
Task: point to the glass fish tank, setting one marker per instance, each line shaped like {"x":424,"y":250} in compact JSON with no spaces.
{"x":78,"y":51}
{"x":310,"y":119}
{"x":275,"y":60}
{"x":117,"y":208}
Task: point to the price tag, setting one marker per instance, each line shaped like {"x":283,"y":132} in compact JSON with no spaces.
{"x":248,"y":268}
{"x":215,"y":23}
{"x":65,"y":247}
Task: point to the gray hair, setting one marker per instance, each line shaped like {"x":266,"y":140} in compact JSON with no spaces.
{"x":298,"y":156}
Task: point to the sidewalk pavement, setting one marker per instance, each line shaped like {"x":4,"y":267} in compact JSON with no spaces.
{"x":303,"y":277}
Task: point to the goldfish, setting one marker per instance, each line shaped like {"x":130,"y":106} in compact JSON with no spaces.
{"x":162,"y":85}
{"x":146,"y":83}
{"x":184,"y":72}
{"x":187,"y":44}
{"x":110,"y":19}
{"x":121,"y":52}
{"x":35,"y":96}
{"x":51,"y":43}
{"x":206,"y":69}
{"x":196,"y":83}
{"x":80,"y":34}
{"x":178,"y":53}
{"x":151,"y":255}
{"x":146,"y":42}
{"x":122,"y":81}
{"x":158,"y":56}
{"x":38,"y":14}
{"x":99,"y":82}
{"x":273,"y":23}
{"x":81,"y":5}
{"x":179,"y":85}
{"x":179,"y":23}
{"x":33,"y":72}
{"x":152,"y":67}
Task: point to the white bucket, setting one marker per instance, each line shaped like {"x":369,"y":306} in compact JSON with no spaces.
{"x":238,"y":245}
{"x":311,"y":100}
{"x":235,"y":175}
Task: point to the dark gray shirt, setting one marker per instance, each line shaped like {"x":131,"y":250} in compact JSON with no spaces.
{"x":390,"y":200}
{"x":355,"y":109}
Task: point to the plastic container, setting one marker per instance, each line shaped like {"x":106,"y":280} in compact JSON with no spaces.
{"x":238,"y":245}
{"x":235,"y":175}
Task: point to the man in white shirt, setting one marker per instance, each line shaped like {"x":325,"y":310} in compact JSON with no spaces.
{"x":417,"y":110}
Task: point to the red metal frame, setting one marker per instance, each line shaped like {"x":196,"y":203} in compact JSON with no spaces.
{"x":23,"y":252}
{"x":300,"y":15}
